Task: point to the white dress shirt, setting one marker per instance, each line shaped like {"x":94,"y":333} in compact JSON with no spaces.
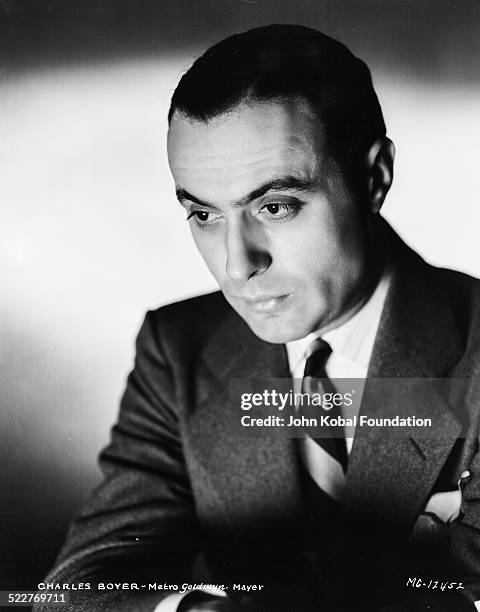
{"x":351,"y":343}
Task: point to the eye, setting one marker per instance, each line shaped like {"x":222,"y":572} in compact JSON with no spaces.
{"x":203,"y":218}
{"x":278,"y":211}
{"x":273,"y":209}
{"x":201,"y":215}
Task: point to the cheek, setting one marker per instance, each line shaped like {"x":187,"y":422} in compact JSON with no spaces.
{"x":324,"y":257}
{"x":308,"y":253}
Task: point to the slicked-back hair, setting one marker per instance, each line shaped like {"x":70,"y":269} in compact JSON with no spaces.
{"x":289,"y":62}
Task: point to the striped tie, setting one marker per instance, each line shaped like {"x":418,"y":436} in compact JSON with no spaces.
{"x":325,"y":458}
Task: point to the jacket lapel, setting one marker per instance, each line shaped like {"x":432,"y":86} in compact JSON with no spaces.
{"x":390,"y":473}
{"x":252,"y":479}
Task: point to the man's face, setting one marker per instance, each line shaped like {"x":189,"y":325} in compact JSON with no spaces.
{"x":271,"y":216}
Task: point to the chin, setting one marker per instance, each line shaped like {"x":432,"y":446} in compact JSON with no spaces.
{"x":277,"y":332}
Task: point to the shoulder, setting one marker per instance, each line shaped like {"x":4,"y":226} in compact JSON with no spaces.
{"x":189,"y":325}
{"x":188,"y":315}
{"x":208,"y":304}
{"x":463,"y":294}
{"x":463,"y":290}
{"x":436,"y":289}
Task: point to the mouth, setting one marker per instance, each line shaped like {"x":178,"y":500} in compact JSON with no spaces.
{"x":265,"y":303}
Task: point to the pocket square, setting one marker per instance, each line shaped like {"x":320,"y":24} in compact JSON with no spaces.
{"x":442,"y":508}
{"x":446,"y":505}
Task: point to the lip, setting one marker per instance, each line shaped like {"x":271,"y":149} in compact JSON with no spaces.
{"x":265,"y":303}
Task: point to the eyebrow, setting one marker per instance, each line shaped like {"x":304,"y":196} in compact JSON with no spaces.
{"x":282,"y":183}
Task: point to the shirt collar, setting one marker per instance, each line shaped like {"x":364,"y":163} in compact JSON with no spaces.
{"x":353,"y":339}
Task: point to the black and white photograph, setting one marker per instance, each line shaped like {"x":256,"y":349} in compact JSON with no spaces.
{"x":240,"y":306}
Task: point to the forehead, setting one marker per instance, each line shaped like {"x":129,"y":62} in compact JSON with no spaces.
{"x":232,"y":154}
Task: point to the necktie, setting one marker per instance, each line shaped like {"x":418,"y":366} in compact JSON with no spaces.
{"x":325,"y":457}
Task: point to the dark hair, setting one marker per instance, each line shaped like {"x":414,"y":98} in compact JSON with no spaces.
{"x":279,"y":62}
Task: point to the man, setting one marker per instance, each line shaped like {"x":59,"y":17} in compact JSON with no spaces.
{"x":279,"y":153}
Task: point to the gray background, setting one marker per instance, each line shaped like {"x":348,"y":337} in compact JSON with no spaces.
{"x":91,"y":236}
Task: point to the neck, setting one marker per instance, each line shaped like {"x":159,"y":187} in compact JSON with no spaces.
{"x":376,"y":259}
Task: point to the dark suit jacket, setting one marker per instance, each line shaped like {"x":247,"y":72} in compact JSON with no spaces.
{"x":177,"y":479}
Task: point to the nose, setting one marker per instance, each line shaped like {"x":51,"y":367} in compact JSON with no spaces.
{"x":247,"y":255}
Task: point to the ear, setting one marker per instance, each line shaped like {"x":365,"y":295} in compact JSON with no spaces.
{"x":380,"y":172}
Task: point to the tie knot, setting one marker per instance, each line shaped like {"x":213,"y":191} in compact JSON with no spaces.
{"x":319,"y":353}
